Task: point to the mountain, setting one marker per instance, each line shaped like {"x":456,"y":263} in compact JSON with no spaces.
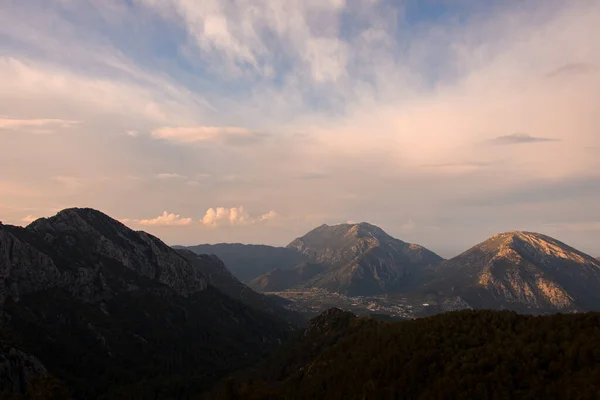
{"x":362,"y":259}
{"x":246,"y":261}
{"x":24,"y":374}
{"x":355,"y":259}
{"x":115,"y":313}
{"x":458,"y":355}
{"x":219,"y":276}
{"x":523,"y":271}
{"x":281,"y":279}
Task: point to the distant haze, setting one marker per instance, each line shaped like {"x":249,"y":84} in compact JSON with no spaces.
{"x":254,"y":122}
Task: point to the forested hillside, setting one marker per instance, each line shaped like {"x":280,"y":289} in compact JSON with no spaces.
{"x":458,"y":355}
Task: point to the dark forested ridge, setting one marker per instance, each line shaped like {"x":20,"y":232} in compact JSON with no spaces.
{"x":457,"y":355}
{"x":113,"y":313}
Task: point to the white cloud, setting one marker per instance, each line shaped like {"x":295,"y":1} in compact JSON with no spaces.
{"x":38,"y":126}
{"x":592,"y":226}
{"x":234,"y":216}
{"x":42,"y":86}
{"x":405,"y":115}
{"x":206,"y":134}
{"x":169,"y":175}
{"x":132,"y":133}
{"x":243,"y":37}
{"x":166,"y":219}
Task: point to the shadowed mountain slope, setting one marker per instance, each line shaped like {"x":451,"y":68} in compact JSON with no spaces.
{"x":116,"y":313}
{"x":219,"y":276}
{"x":247,"y":261}
{"x":281,"y":279}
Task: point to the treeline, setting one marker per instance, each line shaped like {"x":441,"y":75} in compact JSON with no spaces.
{"x":458,"y":355}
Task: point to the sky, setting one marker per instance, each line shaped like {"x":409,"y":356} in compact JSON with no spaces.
{"x":254,"y":121}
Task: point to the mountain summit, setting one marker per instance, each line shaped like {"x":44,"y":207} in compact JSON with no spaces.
{"x":356,"y":259}
{"x":522,"y":271}
{"x":110,"y":311}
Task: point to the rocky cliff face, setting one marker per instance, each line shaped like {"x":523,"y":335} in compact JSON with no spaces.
{"x":522,"y":271}
{"x":361,"y":258}
{"x":87,"y":231}
{"x":79,"y":250}
{"x":107,"y":308}
{"x":18,"y":370}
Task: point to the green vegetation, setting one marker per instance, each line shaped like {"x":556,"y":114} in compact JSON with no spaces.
{"x":458,"y":355}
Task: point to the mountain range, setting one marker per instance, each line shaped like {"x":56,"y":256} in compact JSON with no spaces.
{"x":523,"y":271}
{"x":354,"y":259}
{"x":115,"y":313}
{"x":91,"y":309}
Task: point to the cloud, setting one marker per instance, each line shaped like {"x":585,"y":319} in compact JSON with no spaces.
{"x":239,"y":38}
{"x":132,"y":133}
{"x":519,"y":138}
{"x":195,"y":181}
{"x":228,"y":135}
{"x":403,"y":109}
{"x":236,"y":216}
{"x":169,"y":176}
{"x":72,"y":94}
{"x":534,"y":191}
{"x":38,"y":126}
{"x":458,"y":168}
{"x":166,"y":219}
{"x":590,"y":227}
{"x":573,"y":69}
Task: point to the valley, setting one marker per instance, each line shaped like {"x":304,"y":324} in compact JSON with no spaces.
{"x":313,"y":301}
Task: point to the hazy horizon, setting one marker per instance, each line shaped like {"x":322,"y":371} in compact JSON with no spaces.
{"x":256,"y":121}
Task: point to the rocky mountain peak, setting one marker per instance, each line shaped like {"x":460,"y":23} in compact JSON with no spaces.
{"x":357,"y":230}
{"x":82,"y":220}
{"x":535,"y":246}
{"x":524,"y":271}
{"x":94,"y":246}
{"x":365,"y":230}
{"x":350,"y":239}
{"x":361,"y":258}
{"x":86,"y":294}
